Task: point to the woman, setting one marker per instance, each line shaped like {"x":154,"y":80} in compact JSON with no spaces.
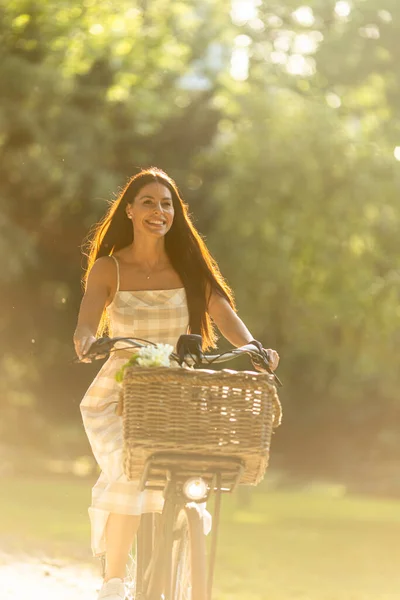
{"x":151,"y":275}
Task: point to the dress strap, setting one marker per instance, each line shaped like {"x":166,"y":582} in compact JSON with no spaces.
{"x":117,"y":264}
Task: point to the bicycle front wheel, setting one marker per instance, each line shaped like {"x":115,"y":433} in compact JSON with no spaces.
{"x":189,"y":570}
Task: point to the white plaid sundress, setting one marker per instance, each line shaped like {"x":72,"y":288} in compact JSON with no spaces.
{"x":155,"y":315}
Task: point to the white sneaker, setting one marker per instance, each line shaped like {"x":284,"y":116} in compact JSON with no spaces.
{"x":113,"y":589}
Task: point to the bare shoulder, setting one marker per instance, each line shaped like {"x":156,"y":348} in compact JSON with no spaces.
{"x":103,"y":271}
{"x":122,"y":255}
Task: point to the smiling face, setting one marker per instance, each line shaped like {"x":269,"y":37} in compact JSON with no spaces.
{"x":152,"y":211}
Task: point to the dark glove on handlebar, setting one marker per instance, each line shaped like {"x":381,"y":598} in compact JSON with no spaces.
{"x":189,"y":345}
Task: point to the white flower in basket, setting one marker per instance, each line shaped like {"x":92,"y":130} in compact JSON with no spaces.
{"x":154,"y":356}
{"x":148,"y":356}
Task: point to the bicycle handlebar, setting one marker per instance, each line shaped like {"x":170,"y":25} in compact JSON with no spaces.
{"x":103,"y":347}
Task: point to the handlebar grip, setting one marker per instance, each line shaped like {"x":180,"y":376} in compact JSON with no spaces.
{"x":100,"y":348}
{"x":189,"y":345}
{"x":101,"y":343}
{"x":263,"y":361}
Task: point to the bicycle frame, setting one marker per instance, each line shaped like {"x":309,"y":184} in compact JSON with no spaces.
{"x":168,"y":471}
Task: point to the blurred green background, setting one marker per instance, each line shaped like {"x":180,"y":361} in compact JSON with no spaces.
{"x":281,"y":124}
{"x":313,"y":544}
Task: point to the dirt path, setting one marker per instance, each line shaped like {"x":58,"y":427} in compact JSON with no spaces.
{"x":40,"y":578}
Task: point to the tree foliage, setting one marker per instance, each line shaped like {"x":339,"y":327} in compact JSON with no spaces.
{"x":280,"y":125}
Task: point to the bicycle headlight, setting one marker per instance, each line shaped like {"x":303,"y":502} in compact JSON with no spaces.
{"x":195,"y":488}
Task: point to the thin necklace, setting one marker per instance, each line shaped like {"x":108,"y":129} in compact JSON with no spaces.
{"x":152,"y":272}
{"x":149,"y":275}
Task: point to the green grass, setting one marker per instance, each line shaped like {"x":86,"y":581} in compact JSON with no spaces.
{"x":46,"y":514}
{"x":286,"y":546}
{"x":310,"y":546}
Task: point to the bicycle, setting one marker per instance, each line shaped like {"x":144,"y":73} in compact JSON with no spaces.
{"x":168,"y":452}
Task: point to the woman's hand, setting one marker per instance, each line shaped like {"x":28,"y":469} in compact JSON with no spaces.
{"x":83,"y":339}
{"x":273,"y":358}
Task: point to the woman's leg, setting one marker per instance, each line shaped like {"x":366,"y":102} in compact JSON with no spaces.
{"x":120,"y":535}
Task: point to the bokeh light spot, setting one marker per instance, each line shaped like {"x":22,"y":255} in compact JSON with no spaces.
{"x":333,"y":100}
{"x":304,"y":15}
{"x":243,"y":11}
{"x":240,"y":64}
{"x":96,"y":29}
{"x":342,"y":8}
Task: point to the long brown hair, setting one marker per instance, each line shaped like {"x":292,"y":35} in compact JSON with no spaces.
{"x":184,"y":246}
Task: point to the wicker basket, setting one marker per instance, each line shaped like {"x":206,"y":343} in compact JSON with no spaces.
{"x":220,"y":413}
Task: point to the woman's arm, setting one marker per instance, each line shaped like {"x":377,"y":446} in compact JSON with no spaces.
{"x":232,"y":327}
{"x":227,"y":321}
{"x":97,"y":293}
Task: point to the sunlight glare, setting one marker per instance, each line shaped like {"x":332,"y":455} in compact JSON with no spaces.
{"x":64,"y":582}
{"x":257,"y":25}
{"x":242,"y":41}
{"x":132,"y":13}
{"x":279,"y":58}
{"x":304,"y":44}
{"x":240,"y":64}
{"x":283,"y":41}
{"x":274,"y":21}
{"x":397,"y":153}
{"x":243,"y":11}
{"x":304,"y":15}
{"x":342,"y":8}
{"x":333,"y":100}
{"x":96,"y":29}
{"x":297,"y":64}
